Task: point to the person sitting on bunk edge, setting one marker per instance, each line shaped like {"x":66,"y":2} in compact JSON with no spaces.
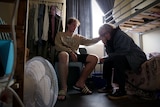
{"x":66,"y":45}
{"x":123,"y":55}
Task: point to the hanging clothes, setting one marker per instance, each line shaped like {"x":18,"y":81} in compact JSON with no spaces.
{"x":55,"y":24}
{"x":41,"y":44}
{"x":42,"y":27}
{"x":40,"y":21}
{"x":53,"y":13}
{"x":36,"y":22}
{"x":32,"y":35}
{"x":45,"y":24}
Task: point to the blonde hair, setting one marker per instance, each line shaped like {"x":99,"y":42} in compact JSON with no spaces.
{"x":72,"y":19}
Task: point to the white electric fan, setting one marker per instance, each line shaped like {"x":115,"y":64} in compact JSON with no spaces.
{"x":40,"y":83}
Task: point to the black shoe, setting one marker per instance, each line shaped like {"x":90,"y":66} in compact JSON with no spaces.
{"x":105,"y":90}
{"x":118,"y":94}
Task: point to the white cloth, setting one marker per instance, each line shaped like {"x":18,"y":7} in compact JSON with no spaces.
{"x":45,"y":24}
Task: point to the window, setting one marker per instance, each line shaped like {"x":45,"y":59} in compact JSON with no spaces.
{"x":97,"y":18}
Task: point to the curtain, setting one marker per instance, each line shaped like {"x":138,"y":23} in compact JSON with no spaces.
{"x":81,"y":9}
{"x":106,"y":5}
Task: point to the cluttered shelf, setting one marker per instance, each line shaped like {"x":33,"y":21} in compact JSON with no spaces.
{"x":136,"y":16}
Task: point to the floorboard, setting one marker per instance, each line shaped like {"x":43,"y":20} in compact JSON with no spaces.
{"x":75,"y":99}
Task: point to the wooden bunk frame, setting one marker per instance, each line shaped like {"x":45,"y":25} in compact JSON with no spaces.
{"x":142,"y":18}
{"x":20,"y":29}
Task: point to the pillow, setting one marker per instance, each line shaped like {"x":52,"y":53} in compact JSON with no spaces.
{"x":153,"y":54}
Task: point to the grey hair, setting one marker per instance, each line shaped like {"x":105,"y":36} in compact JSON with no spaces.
{"x":107,"y":27}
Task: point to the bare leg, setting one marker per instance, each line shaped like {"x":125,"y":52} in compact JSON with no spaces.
{"x":63,"y":72}
{"x":91,"y":62}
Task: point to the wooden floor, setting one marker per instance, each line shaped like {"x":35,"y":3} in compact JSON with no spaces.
{"x":75,"y":99}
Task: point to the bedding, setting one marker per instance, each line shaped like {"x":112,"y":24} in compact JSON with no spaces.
{"x":148,"y":79}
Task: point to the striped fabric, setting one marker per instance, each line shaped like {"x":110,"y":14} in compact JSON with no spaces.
{"x":4,"y":35}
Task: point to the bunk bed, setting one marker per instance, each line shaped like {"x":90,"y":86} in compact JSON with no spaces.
{"x":142,"y":16}
{"x":17,"y":29}
{"x":139,"y":16}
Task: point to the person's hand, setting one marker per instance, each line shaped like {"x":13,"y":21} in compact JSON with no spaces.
{"x":73,"y":57}
{"x":101,"y":60}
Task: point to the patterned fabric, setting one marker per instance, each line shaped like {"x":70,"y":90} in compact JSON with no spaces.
{"x":147,"y":81}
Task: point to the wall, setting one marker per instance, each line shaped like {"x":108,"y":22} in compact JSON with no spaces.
{"x":151,"y":41}
{"x":6,"y":11}
{"x":97,"y":49}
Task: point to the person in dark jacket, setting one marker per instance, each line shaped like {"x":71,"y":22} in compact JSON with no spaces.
{"x":122,"y":55}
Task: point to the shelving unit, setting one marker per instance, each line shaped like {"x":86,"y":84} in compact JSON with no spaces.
{"x":20,"y":35}
{"x":7,"y":28}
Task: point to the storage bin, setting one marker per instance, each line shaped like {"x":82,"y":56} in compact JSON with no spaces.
{"x":98,"y":80}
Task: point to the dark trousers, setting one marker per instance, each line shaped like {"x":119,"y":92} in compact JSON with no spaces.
{"x":120,"y":64}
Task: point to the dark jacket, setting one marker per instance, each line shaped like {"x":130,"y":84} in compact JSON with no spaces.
{"x":121,"y":44}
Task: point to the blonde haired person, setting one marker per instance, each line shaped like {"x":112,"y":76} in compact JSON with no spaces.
{"x":67,"y":44}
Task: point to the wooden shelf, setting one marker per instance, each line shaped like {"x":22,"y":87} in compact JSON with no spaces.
{"x":7,"y":28}
{"x":10,"y":1}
